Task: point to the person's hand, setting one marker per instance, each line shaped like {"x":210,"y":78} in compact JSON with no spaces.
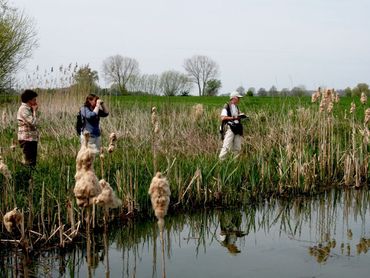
{"x":34,"y":107}
{"x":99,"y":102}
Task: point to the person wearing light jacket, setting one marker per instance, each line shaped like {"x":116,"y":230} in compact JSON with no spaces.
{"x":28,"y":135}
{"x":231,"y":127}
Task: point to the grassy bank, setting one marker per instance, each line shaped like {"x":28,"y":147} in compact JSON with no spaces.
{"x":289,"y":148}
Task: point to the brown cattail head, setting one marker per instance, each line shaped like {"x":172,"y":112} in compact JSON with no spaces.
{"x":367,"y":116}
{"x":160,"y":193}
{"x":330,"y":107}
{"x":198,"y":110}
{"x":155,"y":120}
{"x":87,"y":185}
{"x":4,"y":169}
{"x":107,"y":197}
{"x":11,"y":219}
{"x":353,"y":108}
{"x":112,"y":142}
{"x":315,"y":97}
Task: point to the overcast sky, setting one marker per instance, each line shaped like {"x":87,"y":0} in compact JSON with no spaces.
{"x":256,"y":43}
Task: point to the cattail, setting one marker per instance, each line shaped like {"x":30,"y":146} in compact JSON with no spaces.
{"x":112,"y":142}
{"x":160,"y":193}
{"x":363,"y":98}
{"x":336,"y":98}
{"x":289,"y":150}
{"x":198,"y":111}
{"x":11,"y":219}
{"x":330,"y":107}
{"x":322,"y":105}
{"x":367,"y":115}
{"x":13,"y":145}
{"x":353,"y":108}
{"x":4,"y":118}
{"x":107,"y":197}
{"x":155,"y":120}
{"x":4,"y":169}
{"x":315,"y":96}
{"x":87,"y":184}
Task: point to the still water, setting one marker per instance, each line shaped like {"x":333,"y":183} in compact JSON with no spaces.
{"x":326,"y":236}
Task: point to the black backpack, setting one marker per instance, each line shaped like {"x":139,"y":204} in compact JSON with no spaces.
{"x":80,"y":123}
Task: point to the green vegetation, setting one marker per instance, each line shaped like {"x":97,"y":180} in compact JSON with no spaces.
{"x":290,"y":148}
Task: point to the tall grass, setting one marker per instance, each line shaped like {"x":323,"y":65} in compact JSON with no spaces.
{"x":290,"y":148}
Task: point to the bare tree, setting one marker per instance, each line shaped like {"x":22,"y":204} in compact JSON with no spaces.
{"x":146,"y":83}
{"x":201,"y":69}
{"x":174,"y":83}
{"x":119,"y":70}
{"x":17,"y":40}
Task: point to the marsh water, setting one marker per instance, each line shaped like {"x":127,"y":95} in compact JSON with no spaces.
{"x":325,"y":236}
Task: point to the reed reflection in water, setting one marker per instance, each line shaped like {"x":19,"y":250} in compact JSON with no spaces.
{"x":326,"y":236}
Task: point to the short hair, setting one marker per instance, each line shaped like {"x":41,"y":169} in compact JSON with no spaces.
{"x":89,"y":98}
{"x":28,"y":95}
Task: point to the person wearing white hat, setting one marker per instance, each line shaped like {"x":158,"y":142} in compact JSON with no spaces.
{"x":231,"y":128}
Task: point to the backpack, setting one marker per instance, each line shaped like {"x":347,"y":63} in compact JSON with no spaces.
{"x":80,"y":123}
{"x":223,"y":123}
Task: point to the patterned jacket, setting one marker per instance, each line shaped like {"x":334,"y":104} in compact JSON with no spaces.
{"x":27,"y":129}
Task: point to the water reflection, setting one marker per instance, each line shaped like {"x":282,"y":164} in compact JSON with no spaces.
{"x":230,"y":230}
{"x":329,"y":231}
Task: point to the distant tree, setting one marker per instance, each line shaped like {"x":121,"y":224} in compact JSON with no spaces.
{"x":17,"y":40}
{"x":360,"y":88}
{"x":299,"y":91}
{"x":262,"y":92}
{"x":240,"y":90}
{"x":251,"y":91}
{"x":273,"y":92}
{"x":174,"y":83}
{"x":201,"y":69}
{"x":119,"y":70}
{"x":212,"y":87}
{"x":348,"y":92}
{"x":284,"y":92}
{"x":86,"y":78}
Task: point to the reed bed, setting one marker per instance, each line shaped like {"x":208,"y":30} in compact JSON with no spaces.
{"x":291,"y":147}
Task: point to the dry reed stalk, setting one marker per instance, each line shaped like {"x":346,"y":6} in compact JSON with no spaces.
{"x":155,"y":131}
{"x":61,"y":230}
{"x":43,"y":208}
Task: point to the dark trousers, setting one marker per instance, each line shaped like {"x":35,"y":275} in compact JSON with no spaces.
{"x":29,"y":151}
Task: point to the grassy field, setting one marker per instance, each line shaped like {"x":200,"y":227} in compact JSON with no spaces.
{"x":289,"y":148}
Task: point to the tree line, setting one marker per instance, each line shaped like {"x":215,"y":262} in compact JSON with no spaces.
{"x":18,"y":40}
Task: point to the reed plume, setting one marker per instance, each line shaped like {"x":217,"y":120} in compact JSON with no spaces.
{"x":87,"y":184}
{"x":112,"y":142}
{"x":363,"y":98}
{"x":4,"y":169}
{"x":198,"y":111}
{"x":160,"y":193}
{"x":12,"y":218}
{"x":107,"y":198}
{"x":353,"y":108}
